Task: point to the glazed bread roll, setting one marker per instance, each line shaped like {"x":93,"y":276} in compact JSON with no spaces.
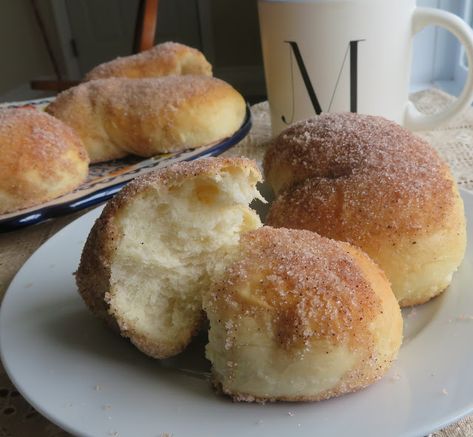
{"x":367,"y":181}
{"x":145,"y":117}
{"x":157,"y":244}
{"x":299,"y":317}
{"x":169,"y":58}
{"x":40,"y":158}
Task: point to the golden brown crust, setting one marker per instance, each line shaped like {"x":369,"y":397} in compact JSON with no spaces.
{"x":305,"y":290}
{"x":353,"y":177}
{"x":295,"y":271}
{"x":332,"y":146}
{"x":359,"y":209}
{"x":310,"y":286}
{"x":120,"y":116}
{"x":161,"y":60}
{"x":42,"y":158}
{"x":93,"y":275}
{"x":154,"y":349}
{"x":94,"y":272}
{"x":366,"y":180}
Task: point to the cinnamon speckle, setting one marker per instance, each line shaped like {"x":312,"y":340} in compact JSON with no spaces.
{"x":343,"y":175}
{"x":162,"y":59}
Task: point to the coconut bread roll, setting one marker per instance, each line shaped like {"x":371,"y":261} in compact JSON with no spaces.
{"x":169,"y":58}
{"x":41,"y":158}
{"x":158,"y":244}
{"x":367,"y":181}
{"x":117,"y":117}
{"x":299,"y":317}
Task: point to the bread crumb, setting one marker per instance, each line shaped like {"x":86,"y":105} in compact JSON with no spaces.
{"x":290,"y":413}
{"x":395,"y":377}
{"x":445,"y":391}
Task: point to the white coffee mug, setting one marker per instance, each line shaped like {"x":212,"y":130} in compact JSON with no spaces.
{"x":349,"y":55}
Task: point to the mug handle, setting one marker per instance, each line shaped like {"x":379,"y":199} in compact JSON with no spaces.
{"x":423,"y":17}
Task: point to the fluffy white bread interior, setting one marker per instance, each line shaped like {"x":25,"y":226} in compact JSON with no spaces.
{"x":300,"y":317}
{"x":153,"y":251}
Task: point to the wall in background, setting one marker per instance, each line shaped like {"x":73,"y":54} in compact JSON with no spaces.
{"x":97,"y":40}
{"x":231,"y":41}
{"x":226,"y":30}
{"x":23,"y":51}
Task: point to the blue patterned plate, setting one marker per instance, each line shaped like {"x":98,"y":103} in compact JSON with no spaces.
{"x":106,"y":179}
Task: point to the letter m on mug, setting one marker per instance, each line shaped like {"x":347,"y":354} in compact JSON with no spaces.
{"x":352,"y":50}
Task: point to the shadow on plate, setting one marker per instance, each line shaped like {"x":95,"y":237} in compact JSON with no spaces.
{"x":68,"y":323}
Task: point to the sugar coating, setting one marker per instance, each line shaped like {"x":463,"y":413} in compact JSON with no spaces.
{"x":42,"y":134}
{"x":357,"y":176}
{"x":120,"y":93}
{"x":120,"y":116}
{"x":299,"y":286}
{"x":150,"y":255}
{"x":162,"y":59}
{"x":41,"y":158}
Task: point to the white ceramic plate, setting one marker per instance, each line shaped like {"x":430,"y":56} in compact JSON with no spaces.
{"x":90,"y":381}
